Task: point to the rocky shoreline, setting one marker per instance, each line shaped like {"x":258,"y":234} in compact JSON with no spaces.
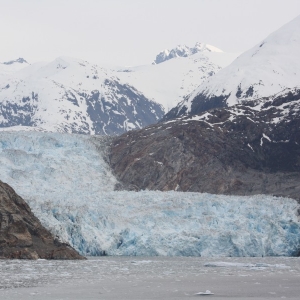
{"x":22,"y":236}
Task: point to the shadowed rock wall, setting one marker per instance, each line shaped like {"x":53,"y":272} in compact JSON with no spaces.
{"x":21,"y":234}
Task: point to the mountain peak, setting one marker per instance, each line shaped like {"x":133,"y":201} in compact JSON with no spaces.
{"x":20,"y":60}
{"x":184,"y":51}
{"x":266,"y":69}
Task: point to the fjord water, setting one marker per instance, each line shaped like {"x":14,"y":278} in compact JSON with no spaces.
{"x":151,"y":278}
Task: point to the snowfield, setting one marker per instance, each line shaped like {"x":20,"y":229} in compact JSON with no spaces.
{"x":170,"y":82}
{"x":70,"y":187}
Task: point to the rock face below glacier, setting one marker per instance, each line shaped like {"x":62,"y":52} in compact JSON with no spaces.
{"x":21,"y":234}
{"x":250,"y":148}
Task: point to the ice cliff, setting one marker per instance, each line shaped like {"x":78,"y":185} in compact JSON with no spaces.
{"x":174,"y":223}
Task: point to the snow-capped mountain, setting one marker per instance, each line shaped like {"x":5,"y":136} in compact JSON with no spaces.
{"x":270,"y":67}
{"x":72,"y":95}
{"x":184,"y":51}
{"x":170,"y":82}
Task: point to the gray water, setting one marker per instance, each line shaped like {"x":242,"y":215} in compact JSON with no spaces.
{"x":151,"y":278}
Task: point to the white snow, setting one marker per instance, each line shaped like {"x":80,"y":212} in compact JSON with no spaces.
{"x":60,"y":88}
{"x":68,"y":184}
{"x":250,"y":147}
{"x":169,"y":82}
{"x":266,"y":137}
{"x":23,"y":128}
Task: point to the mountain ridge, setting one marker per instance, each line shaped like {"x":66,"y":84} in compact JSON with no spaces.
{"x":71,"y":95}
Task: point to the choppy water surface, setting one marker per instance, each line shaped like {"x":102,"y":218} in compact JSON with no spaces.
{"x":150,"y":278}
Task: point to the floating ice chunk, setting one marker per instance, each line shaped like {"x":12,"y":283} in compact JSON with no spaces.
{"x":244,"y":265}
{"x":207,"y":292}
{"x":141,"y":262}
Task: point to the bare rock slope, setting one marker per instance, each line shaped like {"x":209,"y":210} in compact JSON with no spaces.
{"x":250,"y":148}
{"x":21,"y":234}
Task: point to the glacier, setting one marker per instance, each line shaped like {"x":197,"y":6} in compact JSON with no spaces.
{"x":67,"y":181}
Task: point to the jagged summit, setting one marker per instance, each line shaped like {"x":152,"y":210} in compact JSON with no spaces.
{"x":20,"y":60}
{"x":184,"y":51}
{"x":268,"y":68}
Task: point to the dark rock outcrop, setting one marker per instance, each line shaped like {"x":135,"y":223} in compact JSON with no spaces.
{"x":21,"y":234}
{"x":20,"y":60}
{"x":200,"y":104}
{"x":250,"y":148}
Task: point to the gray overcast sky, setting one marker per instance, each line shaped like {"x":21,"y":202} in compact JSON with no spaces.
{"x":132,"y":32}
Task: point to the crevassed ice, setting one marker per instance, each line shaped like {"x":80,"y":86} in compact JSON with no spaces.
{"x":174,"y":223}
{"x":69,"y":186}
{"x":54,"y":165}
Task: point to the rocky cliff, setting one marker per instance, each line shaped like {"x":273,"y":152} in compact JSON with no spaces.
{"x":249,"y":148}
{"x":21,"y":234}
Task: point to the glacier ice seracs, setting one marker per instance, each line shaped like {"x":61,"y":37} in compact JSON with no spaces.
{"x":174,"y":224}
{"x":70,"y":187}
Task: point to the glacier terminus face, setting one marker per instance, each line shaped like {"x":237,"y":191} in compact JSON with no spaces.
{"x":174,"y":224}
